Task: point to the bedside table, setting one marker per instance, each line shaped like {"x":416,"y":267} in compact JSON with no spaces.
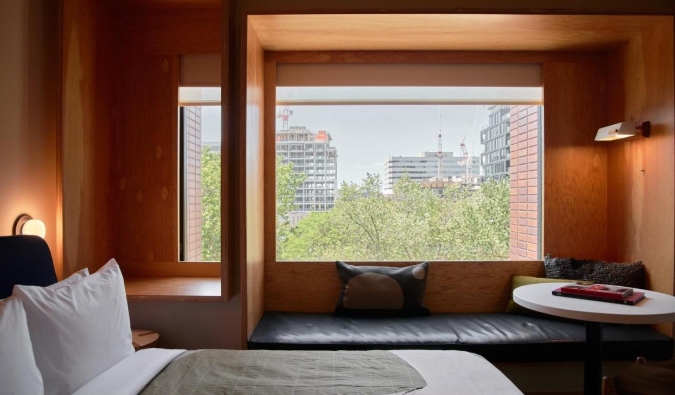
{"x":144,"y":338}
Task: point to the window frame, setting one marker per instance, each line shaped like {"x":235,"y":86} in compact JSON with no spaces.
{"x":275,"y":58}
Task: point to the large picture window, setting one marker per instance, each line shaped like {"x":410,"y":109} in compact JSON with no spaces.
{"x":407,"y":182}
{"x":407,"y":172}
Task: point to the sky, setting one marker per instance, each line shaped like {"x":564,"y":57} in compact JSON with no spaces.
{"x":366,"y":135}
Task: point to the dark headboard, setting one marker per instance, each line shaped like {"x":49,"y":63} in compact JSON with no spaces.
{"x":24,"y":260}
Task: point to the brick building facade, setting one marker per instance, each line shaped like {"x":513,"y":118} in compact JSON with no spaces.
{"x":193,"y":185}
{"x":525,"y":178}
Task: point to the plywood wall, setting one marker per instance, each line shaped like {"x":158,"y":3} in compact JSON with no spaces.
{"x":641,"y":172}
{"x":146,"y":173}
{"x":146,"y":164}
{"x":254,"y":275}
{"x":452,"y":287}
{"x":459,"y":6}
{"x":88,"y":127}
{"x":575,"y":166}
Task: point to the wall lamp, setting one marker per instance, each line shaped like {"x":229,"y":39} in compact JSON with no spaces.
{"x":26,"y":225}
{"x":623,"y":130}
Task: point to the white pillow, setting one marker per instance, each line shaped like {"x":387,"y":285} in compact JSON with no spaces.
{"x":75,"y":277}
{"x":80,"y":330}
{"x":18,"y":372}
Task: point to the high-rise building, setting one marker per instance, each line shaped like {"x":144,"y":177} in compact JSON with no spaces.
{"x":495,"y":137}
{"x":192,"y":209}
{"x":313,"y":156}
{"x":425,"y":167}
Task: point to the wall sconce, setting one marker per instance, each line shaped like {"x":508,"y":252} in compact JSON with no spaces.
{"x":26,"y":225}
{"x":623,"y":130}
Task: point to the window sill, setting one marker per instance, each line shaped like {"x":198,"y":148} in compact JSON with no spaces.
{"x":173,"y":289}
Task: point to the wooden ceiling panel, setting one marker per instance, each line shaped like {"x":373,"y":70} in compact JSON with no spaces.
{"x":448,"y":32}
{"x":163,"y":4}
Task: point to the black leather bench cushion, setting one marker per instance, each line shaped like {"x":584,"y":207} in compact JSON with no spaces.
{"x":499,"y":337}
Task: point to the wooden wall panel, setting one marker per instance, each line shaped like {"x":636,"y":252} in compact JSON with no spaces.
{"x":642,"y":172}
{"x":452,"y":287}
{"x":172,"y":32}
{"x":254,"y":275}
{"x":575,"y":166}
{"x":601,"y":7}
{"x":446,"y":32}
{"x":164,"y":4}
{"x":147,"y":159}
{"x":88,"y":127}
{"x":146,"y":173}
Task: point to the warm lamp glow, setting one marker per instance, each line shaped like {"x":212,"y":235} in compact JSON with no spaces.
{"x":34,"y":227}
{"x":26,"y":225}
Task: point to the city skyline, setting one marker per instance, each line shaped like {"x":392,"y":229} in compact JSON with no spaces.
{"x":367,"y":135}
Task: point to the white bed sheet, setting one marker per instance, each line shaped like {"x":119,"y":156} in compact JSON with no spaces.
{"x":446,"y":373}
{"x":130,"y":375}
{"x":457,"y":372}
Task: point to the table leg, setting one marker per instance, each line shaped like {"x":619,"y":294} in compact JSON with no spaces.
{"x":593,"y":361}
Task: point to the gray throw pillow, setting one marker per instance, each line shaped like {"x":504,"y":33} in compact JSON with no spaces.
{"x":381,"y":291}
{"x":624,"y":274}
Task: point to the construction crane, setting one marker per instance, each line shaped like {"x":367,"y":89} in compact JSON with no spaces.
{"x":439,"y":153}
{"x":284,"y":113}
{"x":465,"y":161}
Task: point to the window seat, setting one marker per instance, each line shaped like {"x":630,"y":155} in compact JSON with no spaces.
{"x":174,"y":289}
{"x":499,"y":337}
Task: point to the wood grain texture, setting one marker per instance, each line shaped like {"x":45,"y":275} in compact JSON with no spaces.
{"x":270,"y":209}
{"x":175,"y":269}
{"x":447,"y":32}
{"x":642,"y":172}
{"x":575,"y":166}
{"x":87,"y":140}
{"x":427,"y":57}
{"x":171,"y":32}
{"x":601,"y":7}
{"x":177,"y":289}
{"x":452,"y":287}
{"x":128,"y":5}
{"x":229,"y":160}
{"x":254,"y":275}
{"x":147,"y":159}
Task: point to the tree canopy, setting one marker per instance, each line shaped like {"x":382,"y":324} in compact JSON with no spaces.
{"x":414,"y":223}
{"x":210,"y":205}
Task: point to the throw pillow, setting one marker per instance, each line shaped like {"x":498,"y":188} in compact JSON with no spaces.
{"x":79,"y":330}
{"x":623,"y":274}
{"x":377,"y":291}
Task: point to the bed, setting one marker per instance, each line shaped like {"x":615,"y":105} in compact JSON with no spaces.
{"x":80,"y":342}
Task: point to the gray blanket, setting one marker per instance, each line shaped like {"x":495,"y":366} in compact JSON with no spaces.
{"x":286,"y":372}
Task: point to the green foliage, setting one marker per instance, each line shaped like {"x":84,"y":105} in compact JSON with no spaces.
{"x":210,"y":205}
{"x":412,"y":224}
{"x":287,"y":183}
